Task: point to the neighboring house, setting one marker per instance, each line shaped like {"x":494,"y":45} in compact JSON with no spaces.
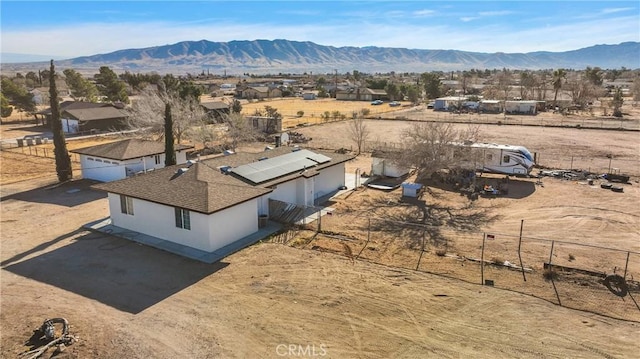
{"x":361,"y":94}
{"x":121,"y":159}
{"x":99,"y":119}
{"x":79,"y":116}
{"x":216,"y":202}
{"x":261,"y":92}
{"x":216,"y":110}
{"x":521,"y":107}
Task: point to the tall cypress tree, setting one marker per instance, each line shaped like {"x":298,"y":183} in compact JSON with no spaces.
{"x":169,"y":151}
{"x":63,"y":161}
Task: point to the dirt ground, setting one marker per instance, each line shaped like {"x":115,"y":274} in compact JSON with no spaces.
{"x":127,"y":300}
{"x":272,"y":300}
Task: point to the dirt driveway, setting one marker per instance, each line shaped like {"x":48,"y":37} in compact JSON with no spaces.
{"x":268,"y":301}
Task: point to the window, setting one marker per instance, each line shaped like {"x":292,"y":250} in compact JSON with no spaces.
{"x":126,"y":205}
{"x":506,"y":159}
{"x":157,"y":158}
{"x":183,"y":219}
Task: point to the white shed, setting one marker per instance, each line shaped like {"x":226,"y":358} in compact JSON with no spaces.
{"x":382,"y":165}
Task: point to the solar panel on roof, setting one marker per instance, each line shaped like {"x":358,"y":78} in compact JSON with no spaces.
{"x":271,"y":168}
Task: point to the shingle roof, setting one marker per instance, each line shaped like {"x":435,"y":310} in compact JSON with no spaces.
{"x":96,"y":113}
{"x":74,"y":105}
{"x":126,"y":149}
{"x":201,"y":188}
{"x":204,"y":187}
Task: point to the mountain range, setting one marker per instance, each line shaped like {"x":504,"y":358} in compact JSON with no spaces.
{"x":284,"y":56}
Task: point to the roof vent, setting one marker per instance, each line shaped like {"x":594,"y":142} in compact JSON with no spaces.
{"x":190,"y":163}
{"x":268,"y":148}
{"x":263,"y":158}
{"x":182,"y":170}
{"x":227,"y":152}
{"x":225,"y":169}
{"x":296,"y":148}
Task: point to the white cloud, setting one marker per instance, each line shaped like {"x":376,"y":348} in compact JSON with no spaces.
{"x":496,"y":13}
{"x":616,"y":10}
{"x":423,"y":13}
{"x":468,"y":18}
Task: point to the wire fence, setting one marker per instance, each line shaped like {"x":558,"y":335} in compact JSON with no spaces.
{"x":45,"y":151}
{"x":580,"y":276}
{"x":593,"y":122}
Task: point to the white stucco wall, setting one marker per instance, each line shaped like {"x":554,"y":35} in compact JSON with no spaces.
{"x":329,"y":180}
{"x":159,"y":221}
{"x":285,"y":192}
{"x":231,"y":224}
{"x":97,"y":169}
{"x":207,"y":233}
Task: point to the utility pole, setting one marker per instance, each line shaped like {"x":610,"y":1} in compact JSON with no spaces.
{"x":335,"y":85}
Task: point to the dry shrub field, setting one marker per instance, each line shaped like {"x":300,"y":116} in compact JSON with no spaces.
{"x":314,"y":109}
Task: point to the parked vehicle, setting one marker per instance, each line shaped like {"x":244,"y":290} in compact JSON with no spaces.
{"x":394,"y":103}
{"x":502,"y":159}
{"x":377,"y":102}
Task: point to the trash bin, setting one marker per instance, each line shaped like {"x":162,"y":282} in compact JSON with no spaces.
{"x":262,"y":220}
{"x":20,"y":142}
{"x":38,"y":140}
{"x":29,"y":141}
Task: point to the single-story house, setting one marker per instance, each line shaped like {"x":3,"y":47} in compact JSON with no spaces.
{"x":213,"y":203}
{"x":361,"y":94}
{"x":121,"y":159}
{"x":101,"y":119}
{"x":309,"y":95}
{"x":521,"y":107}
{"x":79,"y":116}
{"x":260,"y":92}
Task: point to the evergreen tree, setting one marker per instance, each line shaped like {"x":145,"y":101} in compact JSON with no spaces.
{"x":63,"y":161}
{"x":169,"y":151}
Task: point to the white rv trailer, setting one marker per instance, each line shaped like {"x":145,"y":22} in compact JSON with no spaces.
{"x":502,"y":159}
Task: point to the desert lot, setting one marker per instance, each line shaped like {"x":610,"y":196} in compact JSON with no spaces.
{"x":274,"y":300}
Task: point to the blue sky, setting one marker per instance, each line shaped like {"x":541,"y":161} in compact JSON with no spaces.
{"x":76,"y":28}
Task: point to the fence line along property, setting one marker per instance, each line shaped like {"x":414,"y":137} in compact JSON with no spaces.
{"x":575,"y":275}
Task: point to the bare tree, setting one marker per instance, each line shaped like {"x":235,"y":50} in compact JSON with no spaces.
{"x":431,"y":147}
{"x":358,"y":132}
{"x":238,"y":130}
{"x":581,"y":90}
{"x":147,"y":114}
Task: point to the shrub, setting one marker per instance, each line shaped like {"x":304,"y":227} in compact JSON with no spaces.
{"x":497,"y":261}
{"x":571,"y":257}
{"x":550,"y":274}
{"x":300,"y":113}
{"x":441,"y":252}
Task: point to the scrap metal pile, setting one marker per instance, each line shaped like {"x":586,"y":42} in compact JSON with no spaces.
{"x":46,"y":337}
